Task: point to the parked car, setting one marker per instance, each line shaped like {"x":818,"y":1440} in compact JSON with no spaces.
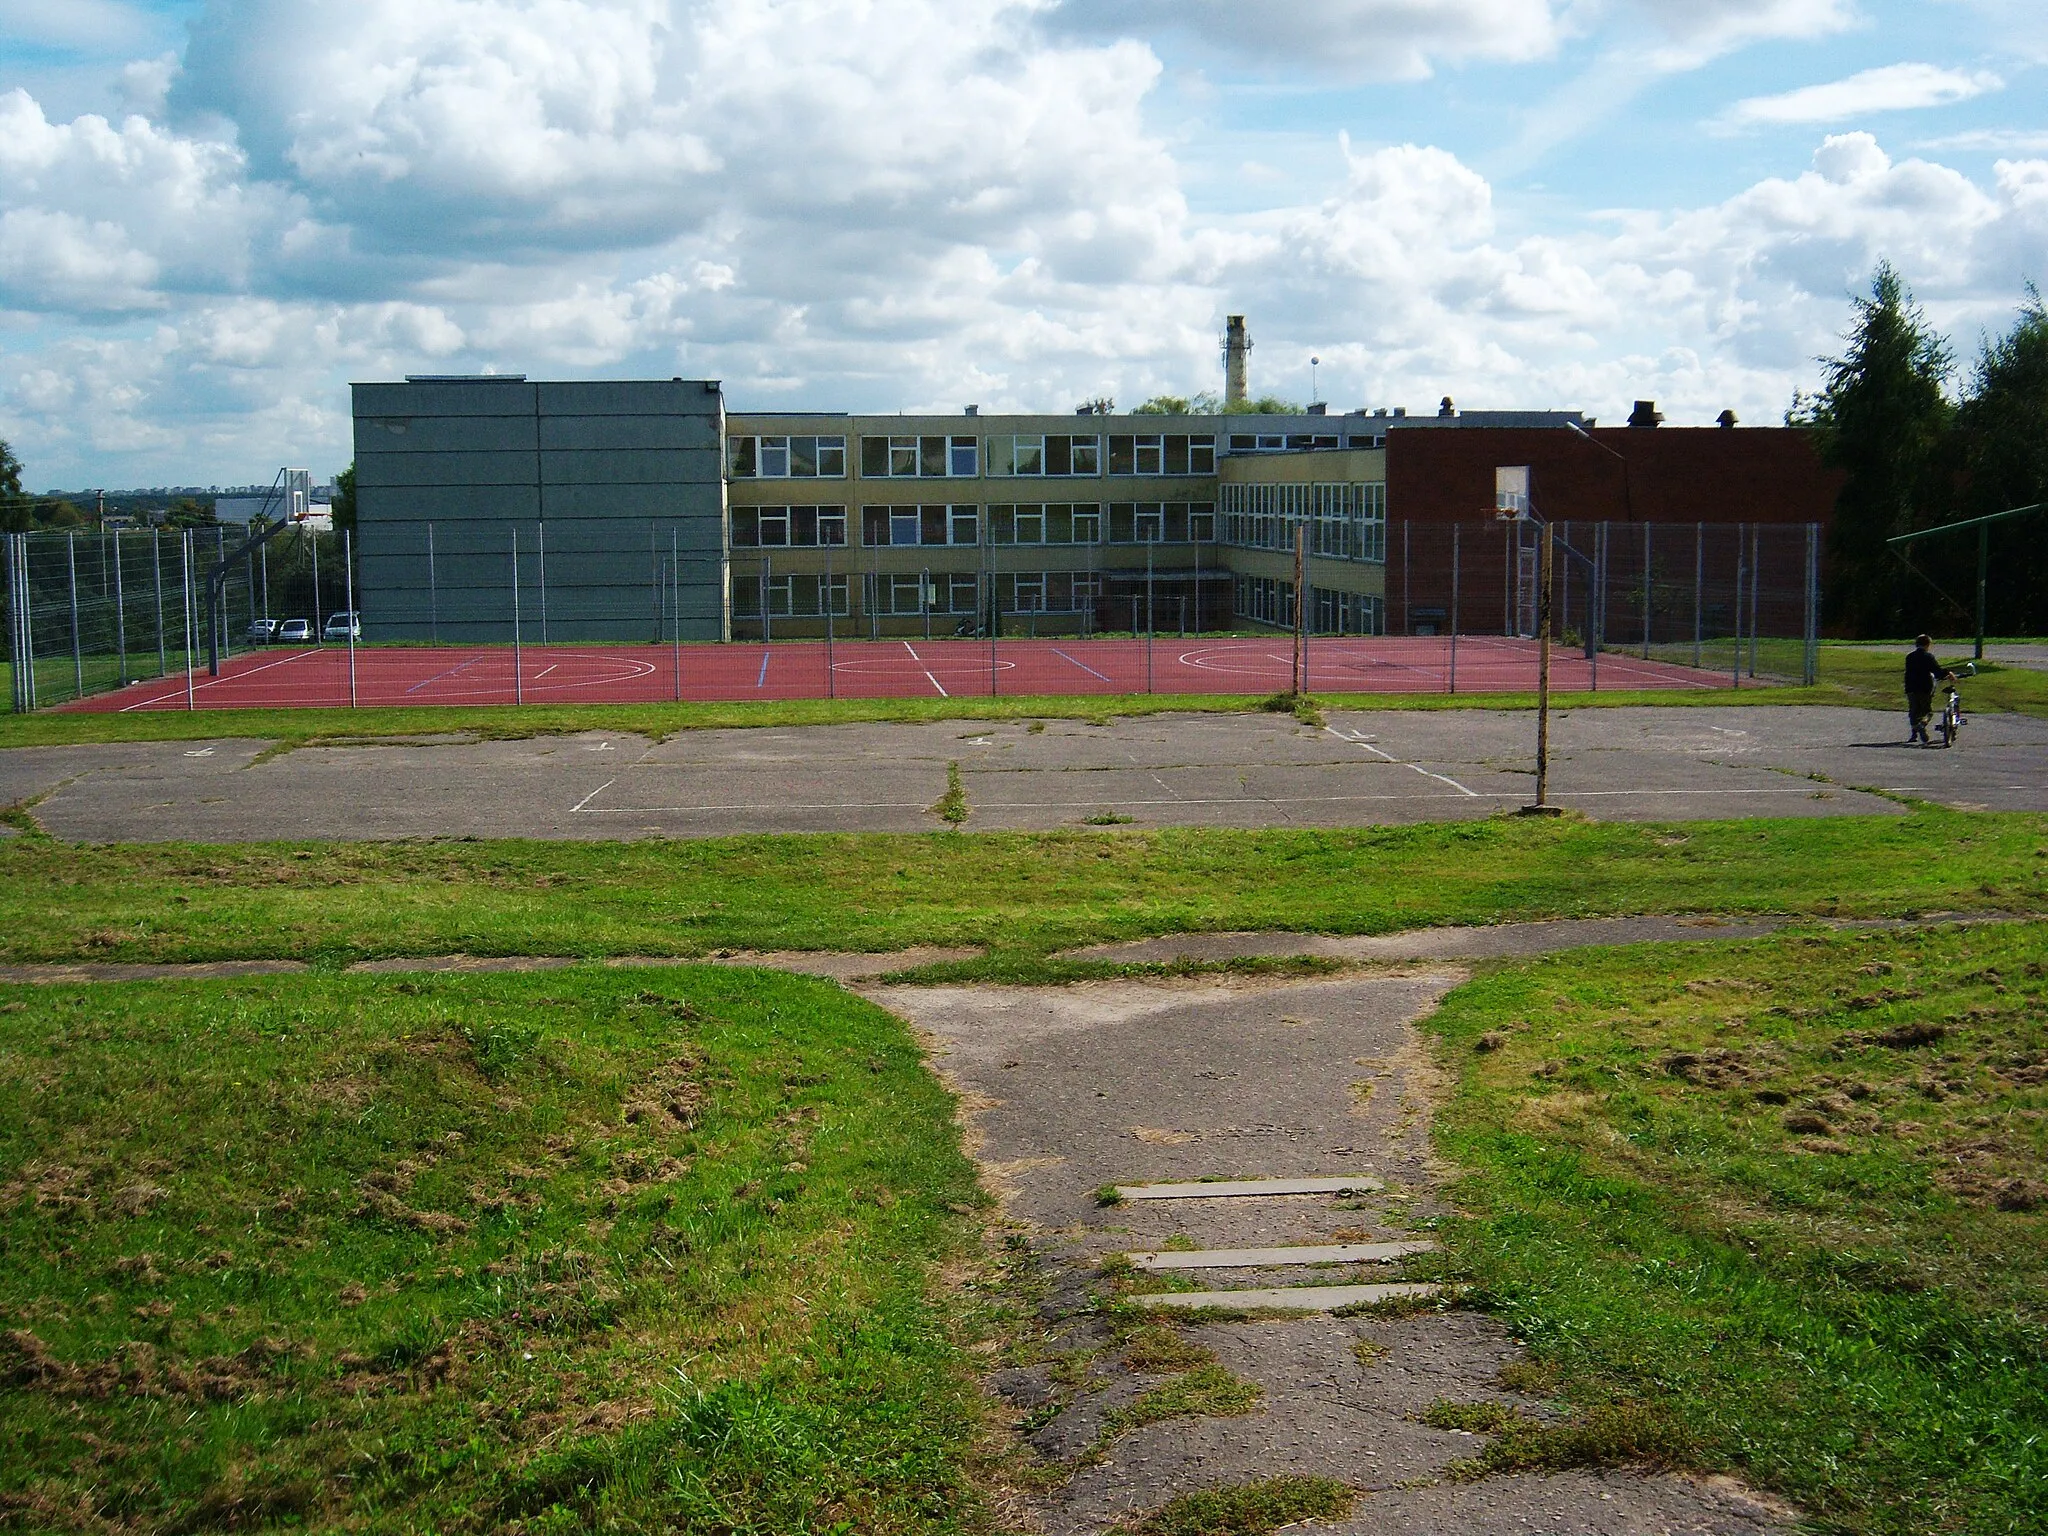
{"x":295,"y":632}
{"x":261,"y":631}
{"x":343,"y":626}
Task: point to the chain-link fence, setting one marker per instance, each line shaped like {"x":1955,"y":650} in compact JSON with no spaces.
{"x":487,"y":611}
{"x":91,"y":611}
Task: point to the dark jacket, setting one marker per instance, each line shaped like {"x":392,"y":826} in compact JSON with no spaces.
{"x":1922,"y":671}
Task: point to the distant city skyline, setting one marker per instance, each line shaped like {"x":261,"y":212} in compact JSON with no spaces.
{"x":214,"y":214}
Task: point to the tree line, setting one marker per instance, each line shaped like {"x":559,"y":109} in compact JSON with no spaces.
{"x":1915,"y":453}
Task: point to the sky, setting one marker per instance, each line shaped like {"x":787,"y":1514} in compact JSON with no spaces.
{"x":215,"y":214}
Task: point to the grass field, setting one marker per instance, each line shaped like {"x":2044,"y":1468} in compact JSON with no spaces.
{"x":1785,"y":1198}
{"x":1024,"y":894}
{"x":600,"y":1251}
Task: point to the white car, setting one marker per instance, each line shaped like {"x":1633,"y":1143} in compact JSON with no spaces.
{"x":295,"y":632}
{"x":261,"y":631}
{"x":343,"y":626}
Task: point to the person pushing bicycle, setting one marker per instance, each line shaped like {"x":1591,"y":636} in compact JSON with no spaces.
{"x":1922,"y":673}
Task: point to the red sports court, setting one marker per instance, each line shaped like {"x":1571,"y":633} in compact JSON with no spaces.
{"x":885,"y":669}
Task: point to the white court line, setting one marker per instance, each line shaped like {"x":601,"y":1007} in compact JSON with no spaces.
{"x":936,"y":683}
{"x":544,"y":672}
{"x":580,"y":804}
{"x":776,"y":805}
{"x":913,"y":653}
{"x":1389,"y":757}
{"x":215,"y":682}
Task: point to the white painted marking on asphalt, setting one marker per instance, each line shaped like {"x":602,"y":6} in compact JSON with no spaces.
{"x":1445,"y":779}
{"x":580,"y":804}
{"x":1359,"y":741}
{"x":202,"y":752}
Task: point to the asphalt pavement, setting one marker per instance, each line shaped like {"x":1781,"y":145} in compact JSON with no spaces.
{"x":1253,"y":770}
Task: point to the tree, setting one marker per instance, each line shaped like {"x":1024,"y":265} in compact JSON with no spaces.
{"x":1203,"y":404}
{"x":2002,"y":427}
{"x":61,"y":514}
{"x":191,"y":512}
{"x":15,"y":513}
{"x":1881,"y":420}
{"x":345,"y":501}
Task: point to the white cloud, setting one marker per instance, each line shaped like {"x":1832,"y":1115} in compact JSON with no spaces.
{"x":1378,"y":39}
{"x":859,"y":204}
{"x":1998,"y":141}
{"x":1892,"y":88}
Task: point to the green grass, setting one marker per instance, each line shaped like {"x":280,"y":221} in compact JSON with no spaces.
{"x":1250,"y":1509}
{"x":1027,"y":892}
{"x":1777,"y":1207}
{"x":596,"y":1250}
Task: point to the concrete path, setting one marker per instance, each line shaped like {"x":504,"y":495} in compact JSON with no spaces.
{"x":1254,"y":770}
{"x":1067,"y":1090}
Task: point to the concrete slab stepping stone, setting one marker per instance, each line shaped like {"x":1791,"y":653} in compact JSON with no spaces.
{"x":1213,"y":1189}
{"x":1264,"y":1258}
{"x":1287,"y":1298}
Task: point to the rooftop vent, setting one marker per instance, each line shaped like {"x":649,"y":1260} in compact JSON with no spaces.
{"x":1446,"y":408}
{"x":974,"y":410}
{"x":1645,"y":414}
{"x":1727,"y":418}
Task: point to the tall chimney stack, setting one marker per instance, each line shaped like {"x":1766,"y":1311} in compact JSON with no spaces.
{"x":1237,"y":348}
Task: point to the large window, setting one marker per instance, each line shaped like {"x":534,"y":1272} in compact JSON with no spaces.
{"x":788,"y":527}
{"x":787,"y":595}
{"x":1163,"y":453}
{"x":1046,"y":523}
{"x":1034,"y":592}
{"x":1265,"y":600}
{"x":1345,"y":522}
{"x":885,"y":526}
{"x":932,"y":458}
{"x":786,"y":458}
{"x":1057,"y":456}
{"x":1281,"y":442}
{"x":1154,"y":522}
{"x":906,"y":594}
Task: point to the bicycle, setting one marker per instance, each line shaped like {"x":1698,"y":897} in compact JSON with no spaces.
{"x":1951,"y":723}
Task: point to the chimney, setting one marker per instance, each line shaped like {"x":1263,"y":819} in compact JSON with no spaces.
{"x":974,"y":410}
{"x":1645,"y":414}
{"x":1727,"y":418}
{"x":1446,"y":409}
{"x":1237,"y":346}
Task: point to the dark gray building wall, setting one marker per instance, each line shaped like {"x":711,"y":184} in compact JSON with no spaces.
{"x":614,"y":489}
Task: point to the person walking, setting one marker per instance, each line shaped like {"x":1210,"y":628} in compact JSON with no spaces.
{"x":1922,"y":673}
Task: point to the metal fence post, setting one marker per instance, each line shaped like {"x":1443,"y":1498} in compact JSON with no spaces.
{"x":77,"y":653}
{"x":120,"y":615}
{"x":319,"y":635}
{"x":185,"y":561}
{"x":1455,"y":527}
{"x":1756,"y":562}
{"x":831,"y":675}
{"x":1739,"y":553}
{"x":348,"y":567}
{"x":1149,"y":625}
{"x":540,"y":539}
{"x":1649,"y":587}
{"x":518,"y":676}
{"x":1596,"y":605}
{"x":15,"y":670}
{"x":675,"y":580}
{"x":156,"y":565}
{"x":1812,"y":604}
{"x":433,"y":592}
{"x":1699,"y":587}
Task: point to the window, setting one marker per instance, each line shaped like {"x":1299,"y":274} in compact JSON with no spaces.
{"x":1154,"y":522}
{"x":788,"y":527}
{"x":1345,"y":522}
{"x":1051,"y":523}
{"x":932,"y":458}
{"x":881,"y":526}
{"x":786,"y":458}
{"x":1028,"y":592}
{"x":1265,"y":600}
{"x":1058,"y":456}
{"x":1168,"y":453}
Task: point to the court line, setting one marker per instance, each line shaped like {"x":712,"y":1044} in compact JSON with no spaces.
{"x":762,"y":680}
{"x":215,"y":682}
{"x":544,"y":671}
{"x":467,"y":661}
{"x":1389,"y":757}
{"x":1063,"y":656}
{"x":913,"y":653}
{"x":607,"y":784}
{"x":936,"y":683}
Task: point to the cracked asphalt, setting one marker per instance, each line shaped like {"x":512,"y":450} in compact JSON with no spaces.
{"x":1250,"y":770}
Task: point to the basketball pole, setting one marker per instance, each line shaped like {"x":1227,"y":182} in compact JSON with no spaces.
{"x":1543,"y":807}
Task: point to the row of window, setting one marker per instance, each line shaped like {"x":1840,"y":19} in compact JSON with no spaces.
{"x":1009,"y":455}
{"x":1344,"y":521}
{"x":1126,"y":522}
{"x":1269,"y":600}
{"x":911,"y":594}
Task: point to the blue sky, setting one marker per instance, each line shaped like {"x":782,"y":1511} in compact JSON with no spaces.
{"x":214,"y":215}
